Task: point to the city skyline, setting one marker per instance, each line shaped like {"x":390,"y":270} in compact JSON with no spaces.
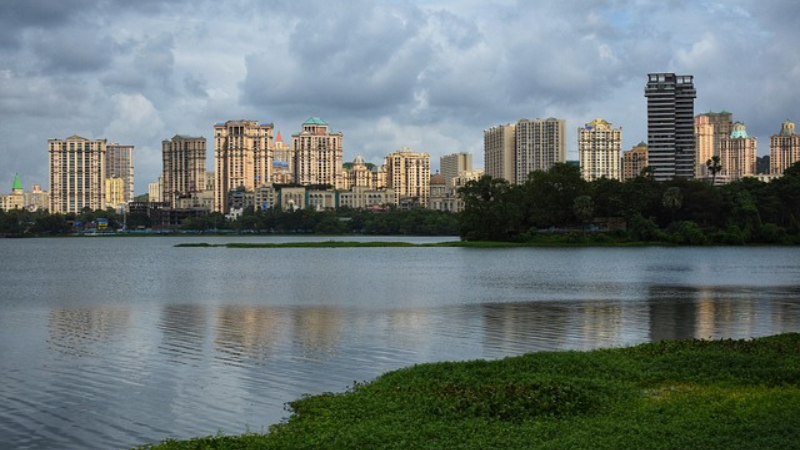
{"x":430,"y":75}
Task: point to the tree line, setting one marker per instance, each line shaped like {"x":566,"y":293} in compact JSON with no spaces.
{"x":340,"y":221}
{"x":560,"y":206}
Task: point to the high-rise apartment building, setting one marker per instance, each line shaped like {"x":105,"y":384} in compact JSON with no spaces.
{"x":119,"y":164}
{"x":408,"y":174}
{"x":451,"y":166}
{"x":737,"y":154}
{"x":115,"y":193}
{"x":154,"y":191}
{"x":784,"y":149}
{"x":283,"y":155}
{"x":359,"y":175}
{"x":77,"y":174}
{"x":670,"y":125}
{"x":710,"y":129}
{"x":539,"y":145}
{"x":499,"y":144}
{"x":242,"y":158}
{"x":599,"y":146}
{"x":634,"y":161}
{"x":184,"y":167}
{"x":317,"y":154}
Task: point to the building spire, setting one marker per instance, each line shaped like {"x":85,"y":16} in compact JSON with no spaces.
{"x":17,"y":184}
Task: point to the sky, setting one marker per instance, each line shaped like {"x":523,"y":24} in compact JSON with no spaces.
{"x":430,"y":75}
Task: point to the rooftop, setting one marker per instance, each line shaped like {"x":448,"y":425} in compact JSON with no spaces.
{"x":314,"y":121}
{"x":17,"y":183}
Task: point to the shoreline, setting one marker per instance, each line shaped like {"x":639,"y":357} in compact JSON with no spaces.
{"x":722,"y":394}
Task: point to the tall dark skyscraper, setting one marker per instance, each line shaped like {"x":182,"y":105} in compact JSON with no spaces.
{"x":670,"y":125}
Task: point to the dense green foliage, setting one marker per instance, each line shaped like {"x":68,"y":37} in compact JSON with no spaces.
{"x":680,"y":211}
{"x":342,"y":221}
{"x":417,"y":221}
{"x":724,"y":395}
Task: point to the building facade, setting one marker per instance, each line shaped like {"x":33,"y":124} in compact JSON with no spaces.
{"x":408,"y":175}
{"x":738,"y":154}
{"x":184,"y":168}
{"x":634,"y":161}
{"x":154,"y":191}
{"x":317,"y":154}
{"x":784,"y":149}
{"x":710,"y":129}
{"x":119,"y":164}
{"x":77,"y":174}
{"x":15,"y":200}
{"x":539,"y":145}
{"x":453,"y":165}
{"x":670,"y":125}
{"x":37,"y":199}
{"x":242,"y":158}
{"x":599,"y":147}
{"x":499,"y":145}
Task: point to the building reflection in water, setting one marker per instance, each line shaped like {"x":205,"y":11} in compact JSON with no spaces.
{"x":75,"y":331}
{"x":718,"y":312}
{"x":317,"y":331}
{"x":533,"y":326}
{"x":183,"y":329}
{"x":247,"y":333}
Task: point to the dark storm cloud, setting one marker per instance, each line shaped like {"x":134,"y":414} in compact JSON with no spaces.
{"x":431,"y":74}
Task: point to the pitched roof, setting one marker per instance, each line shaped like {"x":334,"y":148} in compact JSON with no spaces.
{"x":314,"y":121}
{"x":17,"y":183}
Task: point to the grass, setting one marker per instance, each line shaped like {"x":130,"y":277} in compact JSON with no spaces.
{"x":697,"y":394}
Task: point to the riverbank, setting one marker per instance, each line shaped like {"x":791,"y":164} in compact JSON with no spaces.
{"x":669,"y":395}
{"x":361,"y":244}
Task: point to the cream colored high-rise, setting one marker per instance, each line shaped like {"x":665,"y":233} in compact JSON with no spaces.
{"x":599,"y":146}
{"x":155,"y":191}
{"x":499,"y":146}
{"x":242,"y":158}
{"x":453,"y":165}
{"x":77,"y":174}
{"x":408,"y":174}
{"x":634,"y":161}
{"x":317,"y":154}
{"x":115,"y":193}
{"x":540,"y":144}
{"x":119,"y":164}
{"x":184,"y":167}
{"x":710,"y":129}
{"x":738,"y":154}
{"x":359,"y":175}
{"x":784,"y":149}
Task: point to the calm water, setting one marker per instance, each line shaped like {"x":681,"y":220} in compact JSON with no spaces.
{"x":109,"y":343}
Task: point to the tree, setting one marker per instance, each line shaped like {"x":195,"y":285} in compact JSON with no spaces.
{"x":583,"y":207}
{"x":549,"y":196}
{"x":714,"y":167}
{"x":672,"y":200}
{"x":491,"y":210}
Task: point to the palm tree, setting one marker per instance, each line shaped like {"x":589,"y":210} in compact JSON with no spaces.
{"x":672,"y":200}
{"x":714,"y":167}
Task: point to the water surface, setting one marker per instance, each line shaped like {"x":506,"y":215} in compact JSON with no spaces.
{"x":116,"y":342}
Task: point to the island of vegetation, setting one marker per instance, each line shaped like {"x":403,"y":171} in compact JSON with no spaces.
{"x":697,"y":394}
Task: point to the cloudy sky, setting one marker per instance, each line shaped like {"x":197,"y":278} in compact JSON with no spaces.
{"x":427,"y":74}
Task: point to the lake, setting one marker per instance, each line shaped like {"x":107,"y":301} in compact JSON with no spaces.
{"x":109,"y":343}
